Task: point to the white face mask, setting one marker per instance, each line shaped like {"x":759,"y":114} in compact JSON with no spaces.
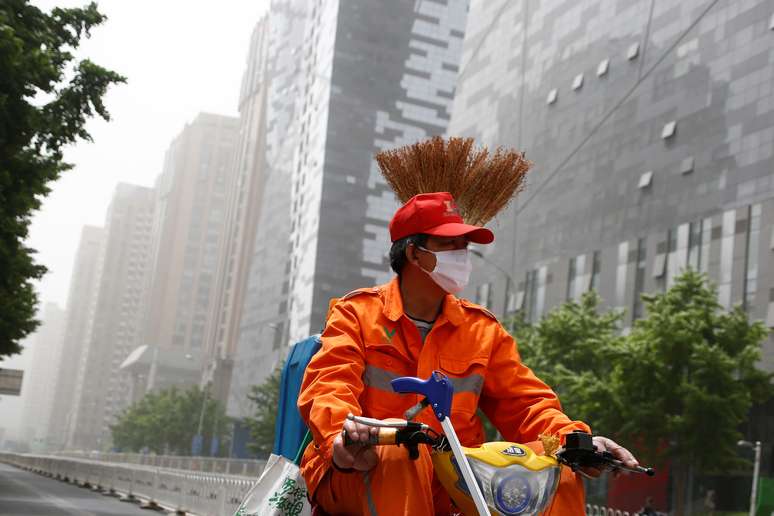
{"x":452,"y":269}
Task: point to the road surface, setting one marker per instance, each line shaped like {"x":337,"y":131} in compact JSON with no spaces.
{"x":25,"y":493}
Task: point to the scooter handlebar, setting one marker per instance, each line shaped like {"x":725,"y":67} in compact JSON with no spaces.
{"x":383,"y":436}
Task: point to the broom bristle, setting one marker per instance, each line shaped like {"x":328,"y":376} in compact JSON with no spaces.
{"x":482,"y":184}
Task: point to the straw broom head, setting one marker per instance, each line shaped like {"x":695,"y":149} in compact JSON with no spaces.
{"x":481,"y":183}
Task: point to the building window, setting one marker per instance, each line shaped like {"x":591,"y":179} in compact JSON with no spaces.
{"x":639,"y":280}
{"x":751,"y":262}
{"x":620,"y":274}
{"x":552,"y":96}
{"x":669,"y":129}
{"x":576,"y":279}
{"x":633,"y":51}
{"x":694,"y":245}
{"x":686,"y":166}
{"x":677,"y":252}
{"x":596,"y":266}
{"x":540,"y":299}
{"x":645,"y":179}
{"x":535,"y":290}
{"x":706,"y":239}
{"x":510,"y":304}
{"x":726,"y":258}
{"x":577,"y":82}
{"x":530,"y":294}
{"x":602,"y":68}
{"x":484,"y":295}
{"x":659,"y":265}
{"x":572,"y":277}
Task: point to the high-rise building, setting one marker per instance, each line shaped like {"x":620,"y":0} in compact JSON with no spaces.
{"x":187,"y":227}
{"x":101,"y":390}
{"x":348,"y":79}
{"x":38,"y":396}
{"x":243,"y":203}
{"x":81,"y":302}
{"x":651,"y":126}
{"x":378,"y":75}
{"x":262,"y":326}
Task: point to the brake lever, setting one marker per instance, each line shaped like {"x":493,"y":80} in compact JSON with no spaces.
{"x":580,"y":452}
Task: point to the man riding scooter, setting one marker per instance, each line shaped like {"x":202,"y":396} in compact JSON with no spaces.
{"x":412,"y":326}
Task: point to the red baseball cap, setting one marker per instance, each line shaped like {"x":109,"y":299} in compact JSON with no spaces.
{"x":435,"y":214}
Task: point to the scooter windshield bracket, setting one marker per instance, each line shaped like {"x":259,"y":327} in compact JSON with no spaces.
{"x":437,"y":389}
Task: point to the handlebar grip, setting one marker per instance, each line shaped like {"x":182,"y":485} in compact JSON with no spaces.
{"x":385,"y":436}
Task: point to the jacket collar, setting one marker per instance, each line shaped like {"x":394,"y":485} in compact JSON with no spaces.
{"x":393,"y":304}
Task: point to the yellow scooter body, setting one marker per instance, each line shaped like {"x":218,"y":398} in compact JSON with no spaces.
{"x":513,"y":478}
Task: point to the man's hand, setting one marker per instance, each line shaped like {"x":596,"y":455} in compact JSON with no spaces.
{"x":360,"y":457}
{"x":619,"y":452}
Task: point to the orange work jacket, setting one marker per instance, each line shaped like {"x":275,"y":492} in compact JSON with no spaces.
{"x":368,"y":341}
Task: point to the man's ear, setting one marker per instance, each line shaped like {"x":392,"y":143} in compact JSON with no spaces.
{"x":411,"y":254}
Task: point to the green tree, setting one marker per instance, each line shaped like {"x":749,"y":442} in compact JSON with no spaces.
{"x":266,"y":399}
{"x":677,"y":388}
{"x":573,"y":349}
{"x":45,"y":101}
{"x":166,"y":422}
{"x":687,"y":379}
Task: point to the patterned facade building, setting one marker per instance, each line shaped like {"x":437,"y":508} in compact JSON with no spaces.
{"x":347,"y":79}
{"x":651,"y":126}
{"x":262,"y":328}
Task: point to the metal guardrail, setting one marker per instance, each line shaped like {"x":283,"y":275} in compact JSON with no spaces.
{"x":243,"y":467}
{"x":597,"y":510}
{"x":184,"y":492}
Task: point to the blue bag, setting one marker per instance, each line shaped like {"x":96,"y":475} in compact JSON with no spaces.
{"x":290,"y":429}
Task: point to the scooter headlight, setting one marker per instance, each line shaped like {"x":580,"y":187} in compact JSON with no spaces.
{"x":515,"y":490}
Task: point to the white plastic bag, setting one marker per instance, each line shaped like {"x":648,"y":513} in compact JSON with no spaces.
{"x":280,"y":491}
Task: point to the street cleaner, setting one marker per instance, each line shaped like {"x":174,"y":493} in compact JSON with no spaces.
{"x":416,"y":324}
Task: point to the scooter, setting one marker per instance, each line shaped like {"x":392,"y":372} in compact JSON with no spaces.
{"x":495,"y":478}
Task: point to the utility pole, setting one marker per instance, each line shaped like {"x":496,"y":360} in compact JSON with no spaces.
{"x":756,"y":471}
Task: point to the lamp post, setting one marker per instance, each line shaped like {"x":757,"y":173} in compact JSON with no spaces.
{"x":756,"y":471}
{"x":197,"y":446}
{"x":508,"y":280}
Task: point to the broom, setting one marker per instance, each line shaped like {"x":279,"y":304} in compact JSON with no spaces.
{"x":481,"y":183}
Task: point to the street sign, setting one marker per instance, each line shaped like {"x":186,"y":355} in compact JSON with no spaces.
{"x":11,"y":382}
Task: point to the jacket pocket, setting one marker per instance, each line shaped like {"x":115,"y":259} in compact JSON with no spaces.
{"x":467,"y":377}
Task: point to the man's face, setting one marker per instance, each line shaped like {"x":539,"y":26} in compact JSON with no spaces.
{"x":435,"y":243}
{"x":427,"y":260}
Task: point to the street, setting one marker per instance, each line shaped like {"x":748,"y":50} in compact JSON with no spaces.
{"x":25,"y":493}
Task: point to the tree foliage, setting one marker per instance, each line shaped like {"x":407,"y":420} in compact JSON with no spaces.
{"x":679,"y":386}
{"x":165,"y":422}
{"x":45,"y":101}
{"x":261,"y":426}
{"x":687,"y":378}
{"x":572,"y":350}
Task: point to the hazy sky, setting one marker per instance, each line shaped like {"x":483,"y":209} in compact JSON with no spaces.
{"x":180,"y":57}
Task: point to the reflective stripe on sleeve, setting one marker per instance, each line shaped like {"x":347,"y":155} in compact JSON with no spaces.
{"x":472,"y":383}
{"x":379,"y":378}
